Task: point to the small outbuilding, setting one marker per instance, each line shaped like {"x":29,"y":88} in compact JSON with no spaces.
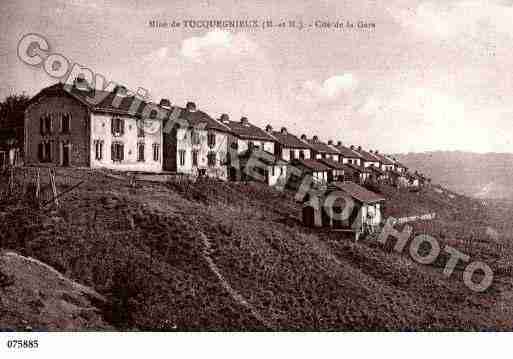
{"x":344,"y":205}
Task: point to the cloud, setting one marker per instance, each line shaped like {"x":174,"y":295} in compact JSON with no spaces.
{"x":217,"y":43}
{"x":418,"y":113}
{"x":476,"y":19}
{"x":330,"y":89}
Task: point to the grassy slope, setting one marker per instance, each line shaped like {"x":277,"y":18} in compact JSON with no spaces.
{"x":141,"y":247}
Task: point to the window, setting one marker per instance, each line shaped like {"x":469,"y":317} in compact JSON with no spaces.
{"x":272,"y":171}
{"x":48,"y":151}
{"x":211,"y":159}
{"x":118,"y":126}
{"x":65,"y":122}
{"x":302,"y":154}
{"x":44,"y":151}
{"x":181,"y":155}
{"x":45,"y":124}
{"x":48,"y":124}
{"x":42,"y":125}
{"x":98,"y":150}
{"x":194,"y":158}
{"x":195,"y":137}
{"x":140,"y":152}
{"x":156,"y":152}
{"x":117,"y":151}
{"x":140,"y":128}
{"x":211,"y":139}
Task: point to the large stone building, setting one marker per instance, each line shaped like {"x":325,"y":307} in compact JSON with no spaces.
{"x":77,"y":126}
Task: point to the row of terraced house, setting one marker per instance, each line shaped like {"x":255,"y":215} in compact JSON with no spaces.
{"x":64,"y":127}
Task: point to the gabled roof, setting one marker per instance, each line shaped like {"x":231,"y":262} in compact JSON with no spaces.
{"x":367,"y":156}
{"x":322,"y":147}
{"x":347,"y":152}
{"x":265,"y":157}
{"x":383,"y":159}
{"x":289,"y":140}
{"x":203,"y":120}
{"x":97,"y":100}
{"x":333,"y":164}
{"x":109,"y":102}
{"x":248,"y":131}
{"x":358,"y":192}
{"x":311,"y":164}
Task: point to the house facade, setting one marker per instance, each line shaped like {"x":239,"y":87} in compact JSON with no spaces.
{"x":250,"y":146}
{"x":195,"y":144}
{"x":367,"y":158}
{"x":288,"y":147}
{"x":63,"y":127}
{"x":321,"y":149}
{"x":348,"y":155}
{"x":317,"y":170}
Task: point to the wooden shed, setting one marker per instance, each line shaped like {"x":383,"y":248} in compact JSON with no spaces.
{"x":345,"y":205}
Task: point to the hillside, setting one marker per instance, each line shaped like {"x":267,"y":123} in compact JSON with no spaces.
{"x":487,"y":175}
{"x":223,"y":256}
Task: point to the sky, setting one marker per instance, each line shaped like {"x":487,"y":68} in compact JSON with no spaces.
{"x":431,"y":75}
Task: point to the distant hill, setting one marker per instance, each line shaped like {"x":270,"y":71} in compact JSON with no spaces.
{"x":488,"y":175}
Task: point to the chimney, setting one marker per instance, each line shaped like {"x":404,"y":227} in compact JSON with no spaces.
{"x":120,"y":90}
{"x":283,"y":130}
{"x":303,"y":137}
{"x":376,"y":151}
{"x":330,"y":142}
{"x":165,"y":103}
{"x":81,"y":83}
{"x":244,"y":121}
{"x":359,"y":148}
{"x":190,"y":106}
{"x":315,"y":138}
{"x":339,"y":143}
{"x":225,"y":118}
{"x":269,"y":128}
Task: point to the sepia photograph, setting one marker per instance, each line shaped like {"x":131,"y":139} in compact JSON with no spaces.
{"x":207,"y":172}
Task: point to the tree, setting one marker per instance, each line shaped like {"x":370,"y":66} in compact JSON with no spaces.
{"x":12,"y":111}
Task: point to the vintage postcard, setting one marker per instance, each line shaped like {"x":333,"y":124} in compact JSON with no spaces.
{"x":260,"y":166}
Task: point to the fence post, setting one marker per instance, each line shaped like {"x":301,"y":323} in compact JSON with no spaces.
{"x":54,"y":188}
{"x":11,"y":180}
{"x":38,"y":186}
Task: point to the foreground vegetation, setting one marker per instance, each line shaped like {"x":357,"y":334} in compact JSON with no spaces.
{"x":141,"y":247}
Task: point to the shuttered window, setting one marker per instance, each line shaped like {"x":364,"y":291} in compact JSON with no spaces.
{"x":65,"y":122}
{"x":195,"y":158}
{"x":181,"y":155}
{"x":211,"y":159}
{"x":140,"y":128}
{"x":211,"y":139}
{"x":156,"y":152}
{"x":118,"y":126}
{"x":98,"y":146}
{"x":117,"y":151}
{"x":140,"y":152}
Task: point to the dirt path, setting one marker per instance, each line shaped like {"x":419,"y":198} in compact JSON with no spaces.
{"x":231,"y":291}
